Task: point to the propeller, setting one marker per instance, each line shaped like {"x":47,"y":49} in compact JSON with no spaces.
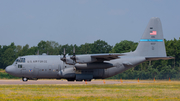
{"x":74,"y":55}
{"x":64,"y":56}
{"x":69,"y":60}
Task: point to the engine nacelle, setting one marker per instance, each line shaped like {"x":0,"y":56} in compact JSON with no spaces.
{"x":85,"y":59}
{"x":70,"y":61}
{"x":67,"y":73}
{"x":93,"y":65}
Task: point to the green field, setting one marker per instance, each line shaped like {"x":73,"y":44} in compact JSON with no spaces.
{"x":160,"y":90}
{"x":4,"y":75}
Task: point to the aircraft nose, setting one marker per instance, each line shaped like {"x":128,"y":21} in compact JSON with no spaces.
{"x":9,"y":69}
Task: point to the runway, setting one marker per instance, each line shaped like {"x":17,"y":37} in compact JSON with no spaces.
{"x":20,"y":82}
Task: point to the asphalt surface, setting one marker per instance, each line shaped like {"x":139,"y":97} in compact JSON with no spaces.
{"x":20,"y":82}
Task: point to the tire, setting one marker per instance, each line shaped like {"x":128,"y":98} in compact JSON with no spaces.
{"x":88,"y":80}
{"x":79,"y":80}
{"x":24,"y":79}
{"x":70,"y":79}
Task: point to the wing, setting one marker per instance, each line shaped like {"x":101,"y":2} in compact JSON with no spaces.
{"x":90,"y":58}
{"x":95,"y":61}
{"x":106,"y":57}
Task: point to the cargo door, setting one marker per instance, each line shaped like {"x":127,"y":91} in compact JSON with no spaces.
{"x":24,"y":71}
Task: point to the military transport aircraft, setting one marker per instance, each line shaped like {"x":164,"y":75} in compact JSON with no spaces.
{"x":92,"y":66}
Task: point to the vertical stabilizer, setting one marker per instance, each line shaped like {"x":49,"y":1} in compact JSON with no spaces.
{"x":152,"y":42}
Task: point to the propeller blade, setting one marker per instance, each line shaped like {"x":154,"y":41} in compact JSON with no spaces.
{"x":73,"y":51}
{"x":74,"y":55}
{"x":64,"y":53}
{"x":64,"y":56}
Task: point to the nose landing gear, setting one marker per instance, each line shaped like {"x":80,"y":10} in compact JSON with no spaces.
{"x":24,"y":79}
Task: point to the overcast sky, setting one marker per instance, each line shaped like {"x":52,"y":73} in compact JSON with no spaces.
{"x":84,"y":21}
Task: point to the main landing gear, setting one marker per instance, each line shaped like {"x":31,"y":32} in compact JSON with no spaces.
{"x":88,"y":80}
{"x":24,"y":79}
{"x":78,"y":80}
{"x":70,"y":79}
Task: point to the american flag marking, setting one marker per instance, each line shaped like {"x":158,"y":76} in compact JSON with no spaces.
{"x":153,"y":33}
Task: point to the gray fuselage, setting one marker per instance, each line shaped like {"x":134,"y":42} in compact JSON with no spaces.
{"x":50,"y":66}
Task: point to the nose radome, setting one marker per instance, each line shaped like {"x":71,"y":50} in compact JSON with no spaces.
{"x":9,"y":69}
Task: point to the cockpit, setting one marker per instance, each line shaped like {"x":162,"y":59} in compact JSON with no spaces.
{"x":12,"y":69}
{"x":19,"y":60}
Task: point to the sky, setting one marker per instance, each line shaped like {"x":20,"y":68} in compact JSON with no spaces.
{"x":84,"y":21}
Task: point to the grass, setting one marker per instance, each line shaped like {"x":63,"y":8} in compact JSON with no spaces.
{"x":2,"y":71}
{"x":160,"y":90}
{"x":4,"y":75}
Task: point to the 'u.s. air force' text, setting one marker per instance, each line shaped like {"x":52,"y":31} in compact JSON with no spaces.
{"x":36,"y":61}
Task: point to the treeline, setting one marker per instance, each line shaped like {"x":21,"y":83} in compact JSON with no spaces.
{"x":8,"y":54}
{"x":161,"y":69}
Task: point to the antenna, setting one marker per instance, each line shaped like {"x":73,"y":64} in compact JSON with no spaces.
{"x":37,"y":52}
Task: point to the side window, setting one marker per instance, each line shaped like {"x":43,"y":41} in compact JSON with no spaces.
{"x":19,"y":66}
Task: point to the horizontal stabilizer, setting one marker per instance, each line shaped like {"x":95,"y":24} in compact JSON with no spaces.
{"x":159,"y":58}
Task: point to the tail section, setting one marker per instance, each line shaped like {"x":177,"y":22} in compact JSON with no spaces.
{"x":152,"y":42}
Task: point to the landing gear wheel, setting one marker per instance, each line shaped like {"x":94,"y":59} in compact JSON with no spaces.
{"x":88,"y":80}
{"x":70,"y":79}
{"x":79,"y":80}
{"x":24,"y":79}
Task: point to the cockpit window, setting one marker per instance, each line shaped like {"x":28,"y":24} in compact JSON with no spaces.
{"x":20,"y":60}
{"x":17,"y":60}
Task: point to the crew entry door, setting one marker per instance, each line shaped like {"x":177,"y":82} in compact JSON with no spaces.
{"x":23,"y":70}
{"x":35,"y":72}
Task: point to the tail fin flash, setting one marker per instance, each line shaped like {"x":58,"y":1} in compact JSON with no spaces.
{"x":152,"y":42}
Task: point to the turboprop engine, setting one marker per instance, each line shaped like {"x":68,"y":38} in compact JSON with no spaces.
{"x":72,"y":60}
{"x":102,"y":65}
{"x":69,"y":61}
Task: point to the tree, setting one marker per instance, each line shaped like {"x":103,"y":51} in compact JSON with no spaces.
{"x":100,"y":46}
{"x":50,"y":47}
{"x":124,"y":46}
{"x":42,"y":47}
{"x":32,"y":51}
{"x":85,"y":48}
{"x":8,"y":57}
{"x":1,"y":57}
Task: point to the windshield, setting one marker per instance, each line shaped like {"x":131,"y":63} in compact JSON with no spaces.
{"x":19,"y":60}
